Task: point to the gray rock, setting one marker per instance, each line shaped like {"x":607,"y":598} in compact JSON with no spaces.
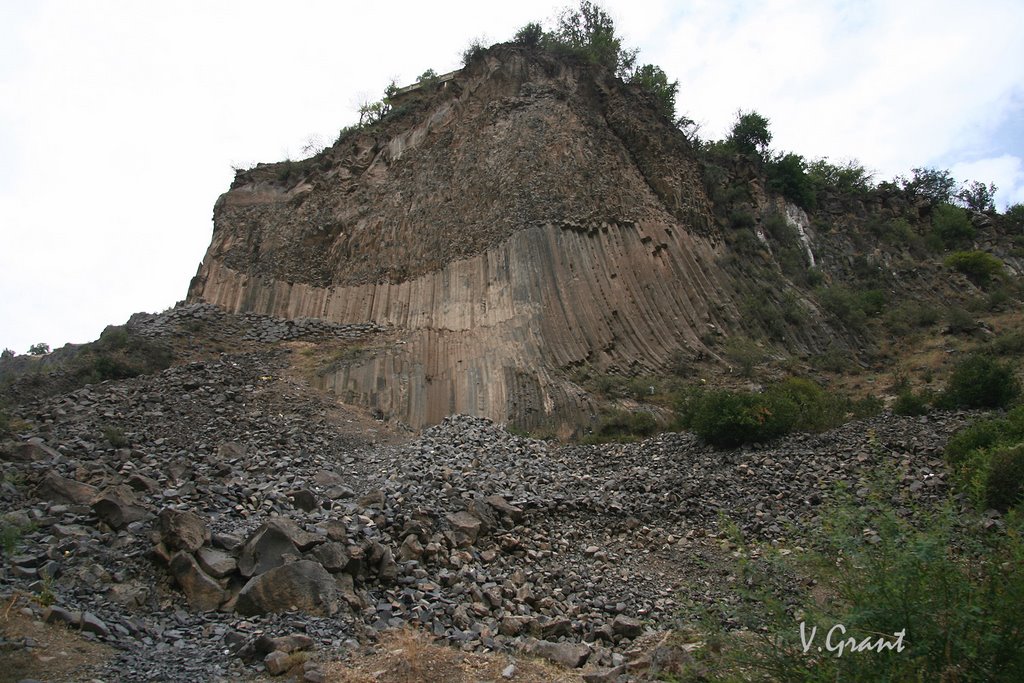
{"x":333,"y":556}
{"x":216,"y":563}
{"x":572,"y":655}
{"x":302,"y":585}
{"x":466,"y":528}
{"x":627,"y":627}
{"x":202,"y":591}
{"x":58,"y":489}
{"x":118,"y":507}
{"x":182,"y":530}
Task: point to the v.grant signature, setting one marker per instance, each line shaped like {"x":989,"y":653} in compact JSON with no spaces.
{"x":835,"y":642}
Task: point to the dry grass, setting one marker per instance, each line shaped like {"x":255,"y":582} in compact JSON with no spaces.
{"x":411,"y":656}
{"x":60,"y":653}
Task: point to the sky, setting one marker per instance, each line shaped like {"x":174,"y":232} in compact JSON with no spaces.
{"x":121,"y":121}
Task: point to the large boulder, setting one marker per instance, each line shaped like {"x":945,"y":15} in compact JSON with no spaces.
{"x":269,"y":545}
{"x":181,"y":530}
{"x":58,"y":489}
{"x":304,"y":585}
{"x":118,"y":507}
{"x":202,"y":591}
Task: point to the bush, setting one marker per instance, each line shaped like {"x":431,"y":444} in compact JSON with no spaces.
{"x":727,"y":419}
{"x":653,"y":80}
{"x":1015,"y":216}
{"x":621,"y":425}
{"x":980,"y":381}
{"x":787,"y":176}
{"x":910,"y":404}
{"x":979,"y":266}
{"x":951,"y":225}
{"x":849,"y":178}
{"x":1004,"y":480}
{"x":115,"y":437}
{"x":980,"y":435}
{"x":750,"y":134}
{"x":529,"y":35}
{"x":953,"y":595}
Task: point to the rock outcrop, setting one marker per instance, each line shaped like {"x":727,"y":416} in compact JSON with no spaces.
{"x":534,"y":216}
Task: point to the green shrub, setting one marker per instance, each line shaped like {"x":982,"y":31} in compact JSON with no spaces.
{"x":1015,"y":216}
{"x":529,"y":35}
{"x":910,"y":404}
{"x":622,"y":425}
{"x":845,"y":305}
{"x":980,"y":267}
{"x":115,"y":437}
{"x":980,"y":381}
{"x":744,"y":354}
{"x":847,"y":178}
{"x":1004,"y":480}
{"x":1010,"y":343}
{"x":787,"y":176}
{"x":980,"y":435}
{"x":952,"y":226}
{"x":727,"y":419}
{"x":878,"y":571}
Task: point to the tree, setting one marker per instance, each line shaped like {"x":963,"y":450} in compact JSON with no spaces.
{"x":39,"y":349}
{"x":1015,"y":214}
{"x":977,"y":196}
{"x":848,"y":177}
{"x":787,"y":175}
{"x":930,"y":183}
{"x":529,"y":35}
{"x":750,"y":134}
{"x":590,"y":31}
{"x":7,"y":353}
{"x":653,"y":80}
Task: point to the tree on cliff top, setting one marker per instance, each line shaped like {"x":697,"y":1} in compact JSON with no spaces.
{"x":590,"y":31}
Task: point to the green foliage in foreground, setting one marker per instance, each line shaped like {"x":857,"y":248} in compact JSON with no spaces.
{"x":953,"y":590}
{"x":987,"y":460}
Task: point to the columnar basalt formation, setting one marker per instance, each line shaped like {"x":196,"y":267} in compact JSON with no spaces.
{"x":534,"y":215}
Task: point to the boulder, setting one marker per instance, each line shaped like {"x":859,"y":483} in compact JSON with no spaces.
{"x":466,"y":528}
{"x":270,"y":543}
{"x":216,"y":563}
{"x":203,"y":593}
{"x":572,"y":655}
{"x":181,"y":530}
{"x":333,"y":556}
{"x":302,"y":585}
{"x":58,"y":489}
{"x":118,"y":507}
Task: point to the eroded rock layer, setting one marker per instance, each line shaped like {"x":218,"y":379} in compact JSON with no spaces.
{"x":533,"y":216}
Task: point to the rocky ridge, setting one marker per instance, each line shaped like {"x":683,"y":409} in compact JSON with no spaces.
{"x":237,"y":507}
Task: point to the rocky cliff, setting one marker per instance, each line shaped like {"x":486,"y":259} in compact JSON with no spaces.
{"x":532,"y":216}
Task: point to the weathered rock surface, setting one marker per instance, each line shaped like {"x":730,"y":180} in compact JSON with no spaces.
{"x":302,"y":585}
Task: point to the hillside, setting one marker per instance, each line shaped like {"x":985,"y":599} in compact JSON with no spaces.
{"x":755,"y":379}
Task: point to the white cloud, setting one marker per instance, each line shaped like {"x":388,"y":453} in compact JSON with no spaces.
{"x":1006,"y":172}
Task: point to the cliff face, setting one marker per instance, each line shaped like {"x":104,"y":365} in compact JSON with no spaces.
{"x":532,"y":216}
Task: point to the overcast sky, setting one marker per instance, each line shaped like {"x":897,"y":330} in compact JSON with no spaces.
{"x":120,"y":121}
